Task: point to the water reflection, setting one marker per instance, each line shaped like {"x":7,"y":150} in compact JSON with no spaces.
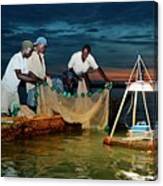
{"x":75,"y":156}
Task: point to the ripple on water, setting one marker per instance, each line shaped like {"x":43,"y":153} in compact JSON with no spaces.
{"x":75,"y":156}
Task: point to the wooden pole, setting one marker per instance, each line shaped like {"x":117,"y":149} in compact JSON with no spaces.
{"x":119,"y":112}
{"x":135,"y":95}
{"x":132,"y":73}
{"x":146,"y":109}
{"x":139,"y":70}
{"x":134,"y":109}
{"x":146,"y":69}
{"x":143,"y":93}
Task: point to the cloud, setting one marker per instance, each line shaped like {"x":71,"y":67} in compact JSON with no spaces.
{"x":145,"y":36}
{"x":114,"y":30}
{"x":133,"y":42}
{"x":92,"y":30}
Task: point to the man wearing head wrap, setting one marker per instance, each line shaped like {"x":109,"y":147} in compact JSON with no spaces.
{"x":16,"y":71}
{"x":36,"y":64}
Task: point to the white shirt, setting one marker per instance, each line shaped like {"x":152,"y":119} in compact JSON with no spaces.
{"x":36,"y":66}
{"x":79,"y":66}
{"x":10,"y":80}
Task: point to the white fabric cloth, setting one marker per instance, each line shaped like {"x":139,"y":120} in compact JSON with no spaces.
{"x":37,"y":66}
{"x":7,"y":99}
{"x":10,"y":80}
{"x":82,"y":87}
{"x":79,"y":66}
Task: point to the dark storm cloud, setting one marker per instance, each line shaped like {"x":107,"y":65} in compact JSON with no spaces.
{"x":146,"y":36}
{"x":133,"y":42}
{"x":113,"y":30}
{"x":92,"y":30}
{"x":112,"y":13}
{"x":7,"y":31}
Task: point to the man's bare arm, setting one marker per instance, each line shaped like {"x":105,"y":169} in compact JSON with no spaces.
{"x":100,"y":70}
{"x":30,"y":77}
{"x":31,"y":74}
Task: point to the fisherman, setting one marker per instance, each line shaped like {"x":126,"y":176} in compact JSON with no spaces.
{"x":80,"y":63}
{"x":36,"y":64}
{"x":65,"y":82}
{"x":69,"y":82}
{"x":16,"y":72}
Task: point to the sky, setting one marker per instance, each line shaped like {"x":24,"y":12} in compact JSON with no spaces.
{"x":117,"y":32}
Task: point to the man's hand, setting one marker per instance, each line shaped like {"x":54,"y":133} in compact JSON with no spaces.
{"x":40,"y":81}
{"x":25,"y":77}
{"x":36,"y":78}
{"x":108,"y":85}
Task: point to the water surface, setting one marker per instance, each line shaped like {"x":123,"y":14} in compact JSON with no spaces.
{"x":79,"y":156}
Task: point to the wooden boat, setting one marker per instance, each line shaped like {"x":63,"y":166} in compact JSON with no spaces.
{"x":133,"y":143}
{"x":23,"y":127}
{"x":28,"y":124}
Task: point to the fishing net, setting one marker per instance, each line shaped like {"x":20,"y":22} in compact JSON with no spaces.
{"x":86,"y":108}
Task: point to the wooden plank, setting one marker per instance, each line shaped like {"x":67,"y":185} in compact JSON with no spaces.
{"x":146,"y":145}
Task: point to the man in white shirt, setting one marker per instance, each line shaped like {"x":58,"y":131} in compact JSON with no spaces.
{"x":15,"y":72}
{"x":36,"y":64}
{"x":80,"y":63}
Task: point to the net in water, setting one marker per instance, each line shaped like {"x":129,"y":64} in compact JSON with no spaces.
{"x":88,"y":109}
